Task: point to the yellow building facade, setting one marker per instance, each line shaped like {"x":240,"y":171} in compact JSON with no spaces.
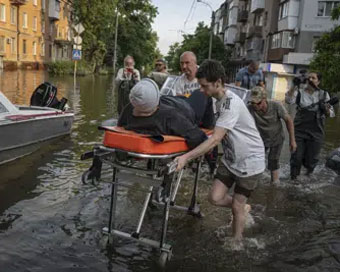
{"x":34,"y":32}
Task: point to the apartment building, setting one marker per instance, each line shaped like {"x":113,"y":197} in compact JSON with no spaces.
{"x":34,"y":32}
{"x":299,"y":25}
{"x":278,"y":31}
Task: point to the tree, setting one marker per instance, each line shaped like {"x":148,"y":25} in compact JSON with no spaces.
{"x":199,"y":44}
{"x":135,"y":35}
{"x":327,"y":57}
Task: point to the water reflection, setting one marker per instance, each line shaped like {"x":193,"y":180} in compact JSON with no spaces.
{"x":49,"y":221}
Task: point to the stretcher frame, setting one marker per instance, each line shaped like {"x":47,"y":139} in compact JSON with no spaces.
{"x":152,"y":176}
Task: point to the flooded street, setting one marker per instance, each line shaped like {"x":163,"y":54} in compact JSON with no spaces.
{"x":50,"y":221}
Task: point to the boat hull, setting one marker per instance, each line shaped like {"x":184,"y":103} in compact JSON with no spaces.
{"x":21,"y":138}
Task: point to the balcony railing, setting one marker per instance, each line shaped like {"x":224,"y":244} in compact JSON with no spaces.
{"x":254,"y":31}
{"x":54,"y":9}
{"x":240,"y":37}
{"x":242,"y":16}
{"x":257,"y":5}
{"x":18,"y":2}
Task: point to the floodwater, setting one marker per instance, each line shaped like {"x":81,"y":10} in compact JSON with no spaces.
{"x":50,"y":221}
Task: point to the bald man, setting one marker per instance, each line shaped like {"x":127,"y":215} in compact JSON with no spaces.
{"x":187,"y":82}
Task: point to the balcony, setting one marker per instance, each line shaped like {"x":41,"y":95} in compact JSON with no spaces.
{"x":18,"y":2}
{"x":240,"y":37}
{"x":242,"y":16}
{"x":257,"y":6}
{"x":254,"y":31}
{"x":54,"y":10}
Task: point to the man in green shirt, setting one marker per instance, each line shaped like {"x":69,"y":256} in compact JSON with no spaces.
{"x":268,"y":115}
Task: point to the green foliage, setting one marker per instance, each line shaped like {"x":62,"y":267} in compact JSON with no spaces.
{"x":66,"y":67}
{"x":135,"y":35}
{"x":199,"y":44}
{"x":327,"y":57}
{"x":60,"y":67}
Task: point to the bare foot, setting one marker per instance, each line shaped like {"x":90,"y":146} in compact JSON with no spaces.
{"x":247,"y":209}
{"x":237,"y":244}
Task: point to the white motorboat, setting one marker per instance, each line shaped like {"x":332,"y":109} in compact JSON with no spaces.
{"x":24,"y":128}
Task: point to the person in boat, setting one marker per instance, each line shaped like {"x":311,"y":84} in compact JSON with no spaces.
{"x":268,"y":115}
{"x":160,"y":74}
{"x":244,"y":158}
{"x":150,"y":113}
{"x":312,"y":109}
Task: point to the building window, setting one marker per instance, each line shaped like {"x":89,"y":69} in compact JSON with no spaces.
{"x":35,"y":2}
{"x":325,"y":7}
{"x":258,"y":20}
{"x":25,"y":20}
{"x":315,"y":40}
{"x":57,"y":6}
{"x":51,"y":28}
{"x":42,"y":25}
{"x":2,"y":12}
{"x":35,"y":23}
{"x":276,"y":41}
{"x":34,"y":45}
{"x":13,"y":15}
{"x":50,"y":50}
{"x":42,"y":49}
{"x":13,"y":45}
{"x":2,"y":44}
{"x":43,"y":4}
{"x":287,"y":39}
{"x":24,"y":48}
{"x":283,"y":11}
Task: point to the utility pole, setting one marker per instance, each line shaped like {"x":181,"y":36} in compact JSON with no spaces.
{"x":116,"y":37}
{"x":211,"y":26}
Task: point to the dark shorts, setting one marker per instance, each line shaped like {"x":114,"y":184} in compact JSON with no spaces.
{"x":274,"y":153}
{"x":243,"y":185}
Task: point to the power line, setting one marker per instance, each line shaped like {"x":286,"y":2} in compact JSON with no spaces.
{"x":192,"y":6}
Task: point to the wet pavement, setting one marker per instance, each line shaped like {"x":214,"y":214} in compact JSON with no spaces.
{"x":50,"y":221}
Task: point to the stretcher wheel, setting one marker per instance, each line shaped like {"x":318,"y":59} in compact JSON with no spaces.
{"x":163,"y":258}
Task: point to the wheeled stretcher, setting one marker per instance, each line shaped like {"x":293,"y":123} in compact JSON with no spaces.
{"x":150,"y":159}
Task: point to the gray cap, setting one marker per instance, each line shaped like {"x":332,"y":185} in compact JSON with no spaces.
{"x":144,"y":96}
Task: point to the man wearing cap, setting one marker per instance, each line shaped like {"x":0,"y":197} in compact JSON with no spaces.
{"x":268,"y":115}
{"x":160,"y":74}
{"x":148,"y":113}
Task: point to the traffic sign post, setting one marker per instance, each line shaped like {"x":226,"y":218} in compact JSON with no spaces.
{"x":76,"y":55}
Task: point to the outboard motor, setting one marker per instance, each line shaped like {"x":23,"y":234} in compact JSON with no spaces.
{"x":333,"y":161}
{"x":45,"y":95}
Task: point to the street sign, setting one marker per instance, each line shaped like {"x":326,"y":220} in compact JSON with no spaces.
{"x":79,"y":28}
{"x":77,"y":46}
{"x":76,"y":54}
{"x":77,"y":40}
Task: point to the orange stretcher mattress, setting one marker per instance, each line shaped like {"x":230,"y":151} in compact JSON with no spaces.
{"x":120,"y":138}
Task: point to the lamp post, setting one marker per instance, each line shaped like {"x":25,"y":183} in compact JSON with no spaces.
{"x":115,"y":49}
{"x":211,"y":26}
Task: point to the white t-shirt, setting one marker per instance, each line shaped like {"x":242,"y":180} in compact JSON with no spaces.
{"x":185,"y":87}
{"x":243,"y":147}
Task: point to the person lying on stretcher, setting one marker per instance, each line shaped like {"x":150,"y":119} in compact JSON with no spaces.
{"x":150,"y":113}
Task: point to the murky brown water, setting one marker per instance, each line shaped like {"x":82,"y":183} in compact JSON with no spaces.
{"x":49,"y":221}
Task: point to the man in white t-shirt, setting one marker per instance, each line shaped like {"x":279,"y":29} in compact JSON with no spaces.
{"x":244,"y":157}
{"x":187,"y":82}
